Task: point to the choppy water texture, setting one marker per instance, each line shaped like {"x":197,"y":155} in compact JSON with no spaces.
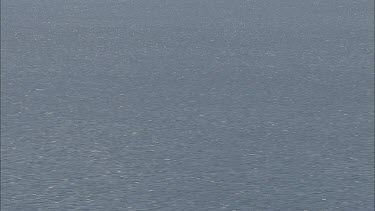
{"x":187,"y":105}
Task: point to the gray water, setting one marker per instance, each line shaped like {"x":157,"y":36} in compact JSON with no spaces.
{"x":187,"y":105}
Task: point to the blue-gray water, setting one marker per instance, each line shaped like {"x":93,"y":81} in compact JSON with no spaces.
{"x":187,"y":105}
